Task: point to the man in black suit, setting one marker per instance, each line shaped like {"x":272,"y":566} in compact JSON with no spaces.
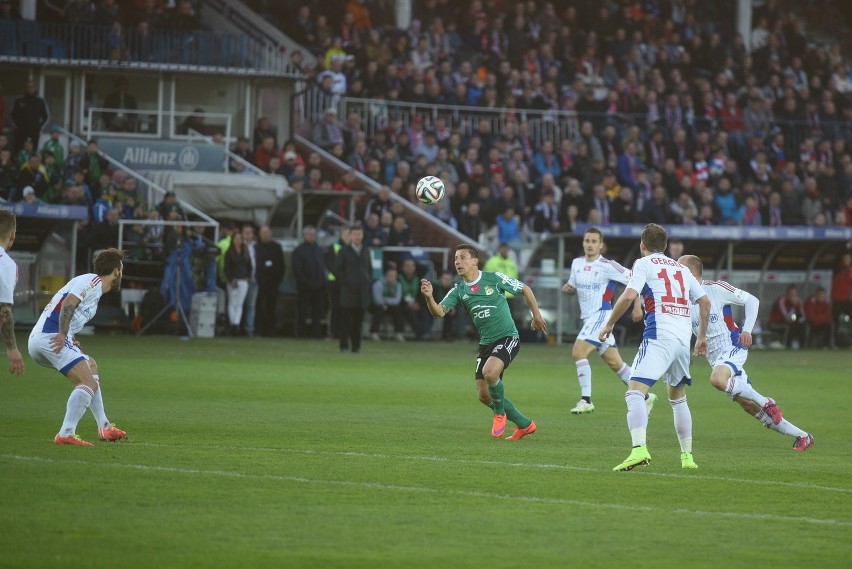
{"x":354,"y":271}
{"x":270,"y":271}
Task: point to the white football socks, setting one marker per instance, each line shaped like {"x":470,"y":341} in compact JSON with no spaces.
{"x":584,"y":375}
{"x":785,"y":427}
{"x":80,"y":398}
{"x":637,"y":416}
{"x":624,"y":373}
{"x":97,"y":407}
{"x":738,"y":386}
{"x":682,"y":423}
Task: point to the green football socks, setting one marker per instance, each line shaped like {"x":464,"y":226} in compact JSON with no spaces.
{"x":497,"y":401}
{"x":516,"y":416}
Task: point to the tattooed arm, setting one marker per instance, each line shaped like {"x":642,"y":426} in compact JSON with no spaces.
{"x":7,"y":330}
{"x":69,"y":305}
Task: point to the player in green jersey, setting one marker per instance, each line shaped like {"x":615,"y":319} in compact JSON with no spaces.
{"x":482,"y":295}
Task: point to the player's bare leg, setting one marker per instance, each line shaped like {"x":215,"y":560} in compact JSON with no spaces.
{"x":106,"y":430}
{"x":682,"y":424}
{"x":85,"y":387}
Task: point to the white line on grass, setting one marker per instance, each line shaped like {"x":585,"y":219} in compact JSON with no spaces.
{"x":426,"y":490}
{"x":801,"y":485}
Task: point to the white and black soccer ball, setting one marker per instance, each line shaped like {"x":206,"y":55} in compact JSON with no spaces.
{"x":430,"y":190}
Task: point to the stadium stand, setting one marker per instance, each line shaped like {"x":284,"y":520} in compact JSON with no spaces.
{"x":543,"y":115}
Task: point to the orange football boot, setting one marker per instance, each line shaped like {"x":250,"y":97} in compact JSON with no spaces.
{"x":521,"y":433}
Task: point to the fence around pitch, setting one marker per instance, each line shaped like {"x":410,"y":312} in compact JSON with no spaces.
{"x":83,"y":43}
{"x":309,"y":105}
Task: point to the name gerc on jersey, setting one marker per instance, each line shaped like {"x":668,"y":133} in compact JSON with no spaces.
{"x":668,"y":289}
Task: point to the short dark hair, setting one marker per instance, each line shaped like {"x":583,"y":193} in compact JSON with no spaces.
{"x":655,"y":238}
{"x":107,"y":261}
{"x":594,"y":230}
{"x":474,"y":252}
{"x":8,"y":221}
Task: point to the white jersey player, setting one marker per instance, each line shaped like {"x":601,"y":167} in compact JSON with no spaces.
{"x":727,"y":350}
{"x":668,"y":289}
{"x":52,"y":344}
{"x":593,"y":279}
{"x":8,"y":281}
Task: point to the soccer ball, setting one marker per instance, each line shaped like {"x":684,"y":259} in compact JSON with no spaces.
{"x":430,"y":190}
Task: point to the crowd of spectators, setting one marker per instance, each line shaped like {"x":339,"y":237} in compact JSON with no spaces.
{"x":80,"y":176}
{"x":680,"y":120}
{"x":127,"y":27}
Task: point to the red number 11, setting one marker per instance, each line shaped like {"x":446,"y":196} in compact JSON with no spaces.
{"x":668,"y":297}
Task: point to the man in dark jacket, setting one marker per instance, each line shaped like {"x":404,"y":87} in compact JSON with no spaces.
{"x":333,"y":284}
{"x":29,"y":113}
{"x":309,"y":272}
{"x":354,"y":271}
{"x":270,"y":271}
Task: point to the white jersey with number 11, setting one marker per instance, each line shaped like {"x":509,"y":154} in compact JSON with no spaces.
{"x":668,"y":290}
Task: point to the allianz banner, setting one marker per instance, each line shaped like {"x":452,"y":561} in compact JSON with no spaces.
{"x":165,"y":155}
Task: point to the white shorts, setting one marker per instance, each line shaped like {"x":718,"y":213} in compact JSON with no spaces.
{"x":734,"y":358}
{"x":591,"y":331}
{"x":661,"y":359}
{"x":42,"y":354}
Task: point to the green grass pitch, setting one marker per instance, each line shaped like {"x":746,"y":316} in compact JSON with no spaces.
{"x":286,"y":453}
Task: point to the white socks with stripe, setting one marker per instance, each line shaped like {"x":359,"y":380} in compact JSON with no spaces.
{"x":682,"y":423}
{"x":97,"y":407}
{"x":584,"y":375}
{"x":624,"y":373}
{"x":785,"y":427}
{"x":80,"y":398}
{"x":637,"y":416}
{"x":738,"y":386}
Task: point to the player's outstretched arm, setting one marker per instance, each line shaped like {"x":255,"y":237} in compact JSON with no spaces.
{"x":69,"y":305}
{"x":621,"y":305}
{"x":7,"y":330}
{"x":538,"y":323}
{"x":704,"y":316}
{"x":437,"y":310}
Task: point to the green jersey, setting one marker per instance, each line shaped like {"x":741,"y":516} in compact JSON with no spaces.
{"x":484,"y":301}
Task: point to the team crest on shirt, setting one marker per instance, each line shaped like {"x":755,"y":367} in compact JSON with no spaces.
{"x":713,"y":318}
{"x":489,"y":290}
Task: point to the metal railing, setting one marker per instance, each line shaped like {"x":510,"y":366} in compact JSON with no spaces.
{"x":153,"y":189}
{"x":274,"y":47}
{"x":89,"y":44}
{"x":124,"y":224}
{"x":149,"y":123}
{"x":249,"y":168}
{"x":543,"y":125}
{"x":373,"y":187}
{"x":444,"y":252}
{"x":309,"y":105}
